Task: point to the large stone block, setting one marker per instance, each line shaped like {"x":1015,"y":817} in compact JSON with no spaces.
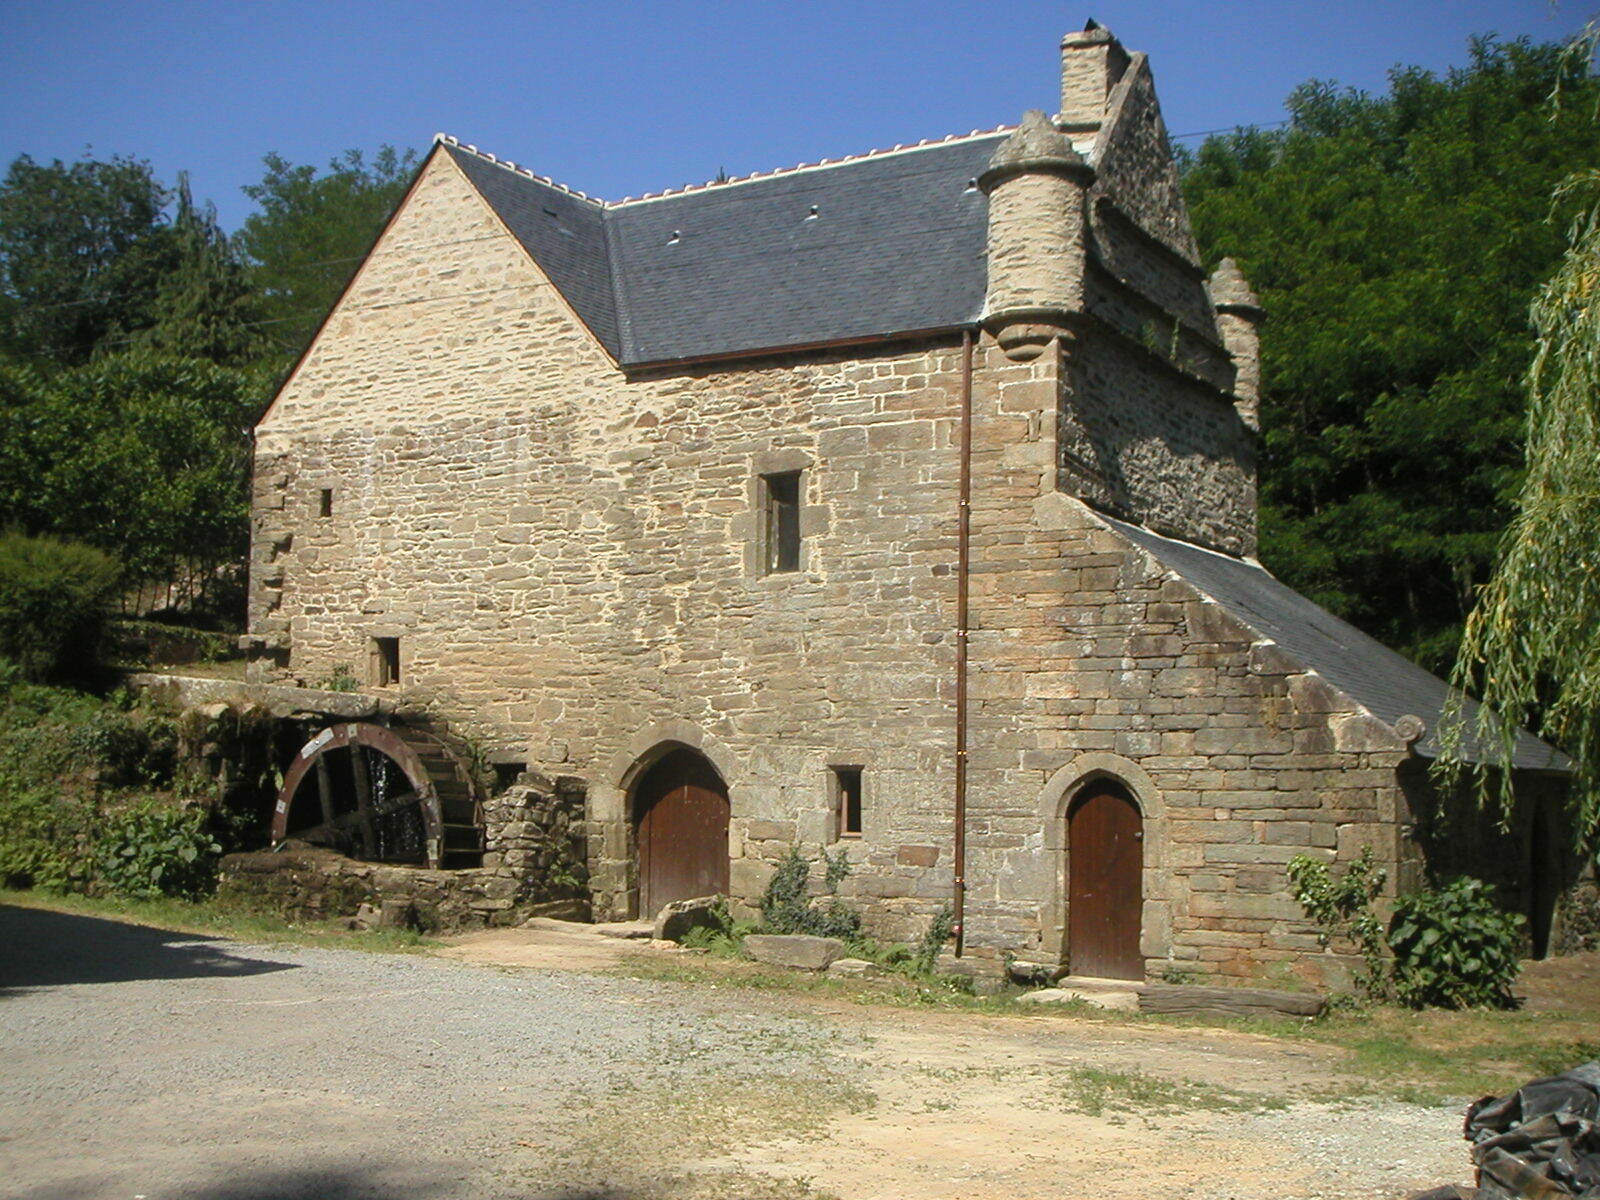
{"x":799,"y":951}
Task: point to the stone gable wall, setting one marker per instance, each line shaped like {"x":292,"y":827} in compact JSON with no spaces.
{"x":566,"y":556}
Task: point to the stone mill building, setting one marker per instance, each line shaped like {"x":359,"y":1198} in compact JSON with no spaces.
{"x":902,"y":505}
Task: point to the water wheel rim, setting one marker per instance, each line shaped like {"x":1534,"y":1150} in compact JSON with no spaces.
{"x":387,"y":742}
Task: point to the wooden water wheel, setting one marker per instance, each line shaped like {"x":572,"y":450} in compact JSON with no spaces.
{"x":382,"y":795}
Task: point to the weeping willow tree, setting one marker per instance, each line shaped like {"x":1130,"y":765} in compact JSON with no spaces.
{"x":1531,"y":646}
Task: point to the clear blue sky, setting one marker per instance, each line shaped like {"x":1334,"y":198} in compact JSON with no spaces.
{"x":618,"y":99}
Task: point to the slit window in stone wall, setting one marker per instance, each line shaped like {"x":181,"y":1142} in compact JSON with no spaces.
{"x":386,"y":661}
{"x":847,"y":800}
{"x":781,"y":500}
{"x":325,"y":503}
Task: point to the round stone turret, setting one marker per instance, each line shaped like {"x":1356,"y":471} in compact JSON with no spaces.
{"x":1239,"y":320}
{"x":1036,"y":184}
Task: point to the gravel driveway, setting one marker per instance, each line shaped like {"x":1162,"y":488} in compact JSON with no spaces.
{"x":142,"y":1063}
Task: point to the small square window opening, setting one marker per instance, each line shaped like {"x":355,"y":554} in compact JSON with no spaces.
{"x":325,"y":503}
{"x":847,"y":800}
{"x":782,"y":502}
{"x":386,"y":661}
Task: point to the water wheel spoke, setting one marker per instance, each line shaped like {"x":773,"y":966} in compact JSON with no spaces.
{"x":363,"y":784}
{"x":434,"y":813}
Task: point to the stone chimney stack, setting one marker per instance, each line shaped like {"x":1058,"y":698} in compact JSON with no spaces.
{"x":1239,"y":320}
{"x":1036,"y":184}
{"x":1091,"y":64}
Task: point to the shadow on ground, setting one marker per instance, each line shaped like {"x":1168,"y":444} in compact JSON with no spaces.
{"x":360,"y":1182}
{"x":40,"y":949}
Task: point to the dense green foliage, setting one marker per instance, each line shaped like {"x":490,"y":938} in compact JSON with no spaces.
{"x":1447,"y":946}
{"x":153,"y":849}
{"x":91,"y":262}
{"x":1532,"y":644}
{"x":1396,"y":242}
{"x":54,"y":598}
{"x":92,"y":798}
{"x":138,"y":344}
{"x":145,"y":457}
{"x":1454,"y":947}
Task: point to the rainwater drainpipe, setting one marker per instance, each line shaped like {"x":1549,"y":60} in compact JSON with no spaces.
{"x":963,"y":538}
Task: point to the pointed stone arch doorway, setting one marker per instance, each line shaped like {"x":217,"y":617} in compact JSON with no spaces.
{"x":680,"y":826}
{"x":1105,"y":868}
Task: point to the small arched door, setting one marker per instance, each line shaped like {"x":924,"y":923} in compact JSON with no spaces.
{"x":1105,"y":862}
{"x":680,"y":810}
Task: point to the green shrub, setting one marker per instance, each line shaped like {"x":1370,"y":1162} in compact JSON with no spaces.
{"x":154,"y":850}
{"x":129,"y":747}
{"x":786,"y":905}
{"x":41,"y":839}
{"x":1454,"y":947}
{"x":54,"y":597}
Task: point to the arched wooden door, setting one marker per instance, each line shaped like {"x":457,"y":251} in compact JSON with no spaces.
{"x":680,"y":810}
{"x":1105,"y":862}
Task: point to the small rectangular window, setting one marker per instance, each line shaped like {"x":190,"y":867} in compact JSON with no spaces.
{"x":847,"y":800}
{"x":506,"y":774}
{"x":325,"y":503}
{"x":386,"y":661}
{"x":782,"y":521}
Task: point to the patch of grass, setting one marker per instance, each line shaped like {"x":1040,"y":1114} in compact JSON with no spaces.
{"x":896,"y":991}
{"x":1097,"y":1092}
{"x":221,"y":919}
{"x":1433,"y":1057}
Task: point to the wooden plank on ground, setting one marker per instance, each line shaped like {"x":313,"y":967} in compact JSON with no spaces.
{"x":1233,"y":1002}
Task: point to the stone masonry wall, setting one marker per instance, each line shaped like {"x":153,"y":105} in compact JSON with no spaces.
{"x":569,"y":558}
{"x":1091,"y":661}
{"x":571,"y":562}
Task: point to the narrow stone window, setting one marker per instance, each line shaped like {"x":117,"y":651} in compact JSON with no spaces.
{"x":325,"y":503}
{"x":847,"y":800}
{"x":386,"y":661}
{"x":782,"y":503}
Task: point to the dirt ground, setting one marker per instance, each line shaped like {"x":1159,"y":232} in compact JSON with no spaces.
{"x":555,"y":1064}
{"x":963,"y":1105}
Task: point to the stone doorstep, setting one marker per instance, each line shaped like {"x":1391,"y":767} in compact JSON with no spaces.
{"x":1094,"y":983}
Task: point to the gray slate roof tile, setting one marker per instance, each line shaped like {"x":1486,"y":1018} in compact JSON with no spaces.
{"x":897,"y":246}
{"x":1385,"y":683}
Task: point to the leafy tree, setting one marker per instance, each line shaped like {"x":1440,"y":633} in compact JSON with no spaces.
{"x":81,"y":253}
{"x":1396,"y":241}
{"x":91,"y":262}
{"x":1531,"y":648}
{"x":204,"y":304}
{"x":312,"y":231}
{"x":142,"y":456}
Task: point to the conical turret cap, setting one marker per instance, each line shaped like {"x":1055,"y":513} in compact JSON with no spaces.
{"x":1035,"y":145}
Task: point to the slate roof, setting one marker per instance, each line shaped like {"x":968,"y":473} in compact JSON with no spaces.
{"x":1382,"y":681}
{"x":884,"y":244}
